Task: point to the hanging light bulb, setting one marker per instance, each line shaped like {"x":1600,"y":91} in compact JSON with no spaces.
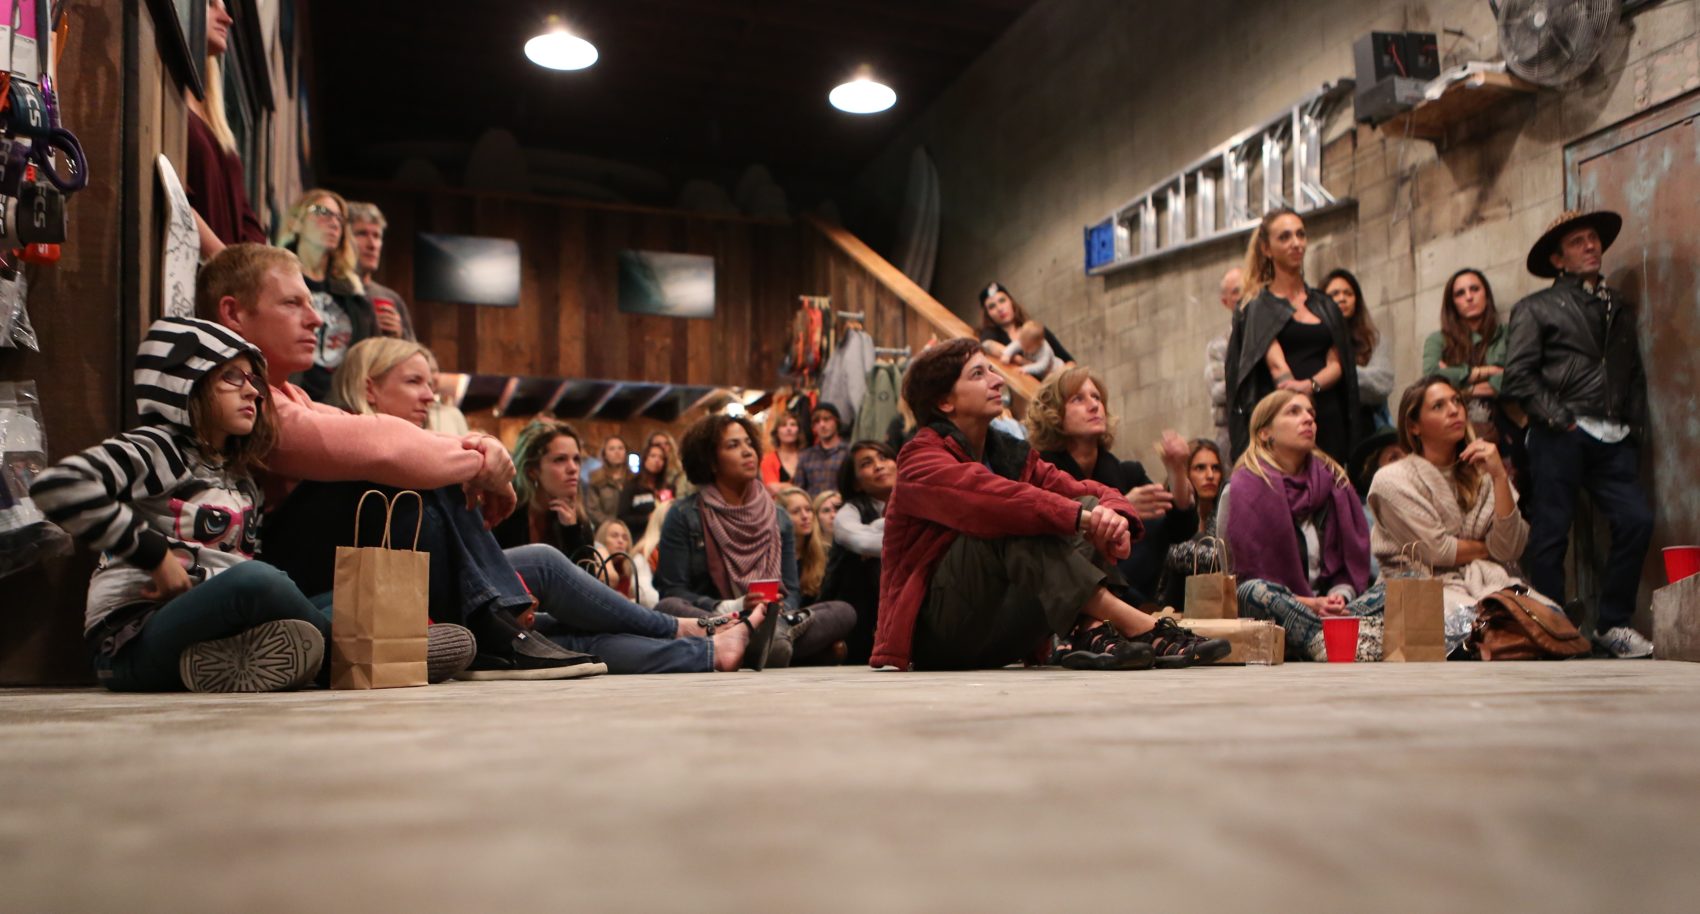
{"x":559,"y":49}
{"x":862,"y":95}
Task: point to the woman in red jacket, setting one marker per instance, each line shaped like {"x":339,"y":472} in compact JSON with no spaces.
{"x":990,"y":550}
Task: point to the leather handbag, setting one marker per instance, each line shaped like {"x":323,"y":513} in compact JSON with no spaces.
{"x":1512,"y":625}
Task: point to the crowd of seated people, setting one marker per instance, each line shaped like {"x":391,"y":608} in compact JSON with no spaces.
{"x":967,"y":541}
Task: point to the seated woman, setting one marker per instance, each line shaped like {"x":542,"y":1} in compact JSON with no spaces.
{"x":811,"y":549}
{"x":729,"y":536}
{"x":780,"y":464}
{"x":573,"y":609}
{"x":858,"y":532}
{"x":1296,"y":532}
{"x":648,"y":487}
{"x":826,"y":511}
{"x":1202,"y":551}
{"x":1069,"y":422}
{"x":1453,"y":498}
{"x":602,"y":495}
{"x":627,"y":570}
{"x":546,"y":479}
{"x":1001,"y":317}
{"x":990,"y":551}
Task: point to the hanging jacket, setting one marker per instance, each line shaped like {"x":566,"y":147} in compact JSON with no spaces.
{"x":149,"y":495}
{"x":844,"y":380}
{"x":879,"y":407}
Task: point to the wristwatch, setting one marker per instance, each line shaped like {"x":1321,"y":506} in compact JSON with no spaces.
{"x":1315,"y":388}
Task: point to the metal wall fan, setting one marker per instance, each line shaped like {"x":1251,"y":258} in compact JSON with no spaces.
{"x":1551,"y":42}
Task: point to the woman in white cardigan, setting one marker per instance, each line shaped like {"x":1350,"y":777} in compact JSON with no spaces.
{"x":1452,"y":499}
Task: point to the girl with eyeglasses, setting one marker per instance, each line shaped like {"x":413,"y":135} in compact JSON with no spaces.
{"x":176,"y":602}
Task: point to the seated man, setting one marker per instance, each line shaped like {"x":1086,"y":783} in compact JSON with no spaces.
{"x":324,"y":458}
{"x":989,"y":550}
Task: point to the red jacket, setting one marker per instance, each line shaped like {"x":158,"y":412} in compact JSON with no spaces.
{"x":941,"y":494}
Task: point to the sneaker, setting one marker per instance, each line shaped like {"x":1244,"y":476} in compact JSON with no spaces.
{"x":270,"y":657}
{"x":1624,"y":643}
{"x":1103,"y":648}
{"x":451,"y":649}
{"x":509,"y":652}
{"x":1175,"y":646}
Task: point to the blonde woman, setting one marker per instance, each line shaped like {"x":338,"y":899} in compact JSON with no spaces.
{"x":1289,"y":336}
{"x":386,"y":376}
{"x":214,"y":179}
{"x":317,"y":231}
{"x":826,"y":506}
{"x":628,"y":572}
{"x":1297,"y":532}
{"x":811,"y":545}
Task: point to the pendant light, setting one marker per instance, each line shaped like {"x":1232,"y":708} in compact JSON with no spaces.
{"x":862,"y":95}
{"x":558,"y":49}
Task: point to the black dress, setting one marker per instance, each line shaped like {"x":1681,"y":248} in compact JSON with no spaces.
{"x":1306,"y":347}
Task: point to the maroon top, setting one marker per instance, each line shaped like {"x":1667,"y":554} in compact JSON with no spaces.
{"x":215,"y":188}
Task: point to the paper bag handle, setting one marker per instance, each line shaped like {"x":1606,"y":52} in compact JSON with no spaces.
{"x":1411,"y":553}
{"x":1222,"y":561}
{"x":389,"y":514}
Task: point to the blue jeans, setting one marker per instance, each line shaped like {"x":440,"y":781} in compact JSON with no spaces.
{"x":1562,"y":462}
{"x":228,"y":603}
{"x":593,"y":618}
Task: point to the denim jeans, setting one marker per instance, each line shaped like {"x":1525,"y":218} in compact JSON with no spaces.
{"x":469,"y":572}
{"x":228,"y":603}
{"x":1562,"y":462}
{"x":593,"y":618}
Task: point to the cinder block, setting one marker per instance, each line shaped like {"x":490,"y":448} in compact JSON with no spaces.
{"x":1676,"y":621}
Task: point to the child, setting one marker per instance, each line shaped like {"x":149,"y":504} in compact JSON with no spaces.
{"x":176,"y":602}
{"x":1030,"y":344}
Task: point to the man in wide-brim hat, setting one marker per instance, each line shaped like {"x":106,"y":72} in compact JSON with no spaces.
{"x":1573,"y":363}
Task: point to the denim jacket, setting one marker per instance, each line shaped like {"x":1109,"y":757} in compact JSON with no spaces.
{"x":683,"y":567}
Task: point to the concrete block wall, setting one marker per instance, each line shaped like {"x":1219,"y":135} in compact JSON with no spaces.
{"x":1084,"y":103}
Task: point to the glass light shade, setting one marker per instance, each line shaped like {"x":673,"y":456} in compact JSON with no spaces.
{"x":560,"y":50}
{"x":862,"y":96}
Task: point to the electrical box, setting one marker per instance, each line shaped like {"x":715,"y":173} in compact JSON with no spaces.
{"x":1392,"y":69}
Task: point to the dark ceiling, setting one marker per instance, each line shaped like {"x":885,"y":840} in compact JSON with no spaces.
{"x":686,"y":88}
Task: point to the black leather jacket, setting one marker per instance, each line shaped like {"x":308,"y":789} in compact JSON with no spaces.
{"x":1573,"y":353}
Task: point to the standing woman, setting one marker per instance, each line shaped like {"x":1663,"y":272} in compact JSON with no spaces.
{"x":1297,"y":533}
{"x":858,"y":535}
{"x":316,"y":232}
{"x":1469,"y":350}
{"x":546,"y":479}
{"x":1000,"y":317}
{"x":1289,"y":336}
{"x":780,"y":464}
{"x":648,"y":487}
{"x":602,"y":496}
{"x":719,"y":543}
{"x":214,"y":180}
{"x":1374,"y":360}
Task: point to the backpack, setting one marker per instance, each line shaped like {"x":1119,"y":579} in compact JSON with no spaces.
{"x":1511,"y":625}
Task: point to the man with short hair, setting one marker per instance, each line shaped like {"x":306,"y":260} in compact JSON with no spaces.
{"x":325,"y":459}
{"x":817,"y":465}
{"x":1574,"y":365}
{"x":366,"y":224}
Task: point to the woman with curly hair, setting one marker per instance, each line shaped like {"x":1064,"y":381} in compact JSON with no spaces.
{"x":1070,"y":424}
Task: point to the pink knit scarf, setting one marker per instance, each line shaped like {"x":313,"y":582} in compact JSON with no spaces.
{"x":746,"y":535}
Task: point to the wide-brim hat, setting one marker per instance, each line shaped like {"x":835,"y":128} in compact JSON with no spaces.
{"x":1358,"y":466}
{"x":1605,"y":222}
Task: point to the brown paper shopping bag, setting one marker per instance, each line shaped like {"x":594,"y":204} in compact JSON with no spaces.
{"x":1415,"y":613}
{"x":1212,"y":594}
{"x":380,"y":614}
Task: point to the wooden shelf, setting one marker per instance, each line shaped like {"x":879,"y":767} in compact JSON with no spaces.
{"x":1461,"y":100}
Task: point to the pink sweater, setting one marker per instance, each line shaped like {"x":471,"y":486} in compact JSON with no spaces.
{"x":324,"y":444}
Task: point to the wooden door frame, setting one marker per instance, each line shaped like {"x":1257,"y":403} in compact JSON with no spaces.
{"x":1621,"y":134}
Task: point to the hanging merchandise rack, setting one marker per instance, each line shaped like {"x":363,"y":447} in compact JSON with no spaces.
{"x":1181,"y":211}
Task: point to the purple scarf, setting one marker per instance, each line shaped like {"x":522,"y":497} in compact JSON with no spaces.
{"x":1264,"y":545}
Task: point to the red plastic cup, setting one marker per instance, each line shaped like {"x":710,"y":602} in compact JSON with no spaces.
{"x":769,"y":590}
{"x":1680,"y":562}
{"x":1340,"y":638}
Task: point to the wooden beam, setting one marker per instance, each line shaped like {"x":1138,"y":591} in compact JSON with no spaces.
{"x":941,"y":319}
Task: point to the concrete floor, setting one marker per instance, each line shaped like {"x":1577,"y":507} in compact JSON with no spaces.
{"x":1456,"y":787}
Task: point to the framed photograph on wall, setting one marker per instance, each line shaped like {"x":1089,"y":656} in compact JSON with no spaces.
{"x":667,"y":285}
{"x":181,"y":26}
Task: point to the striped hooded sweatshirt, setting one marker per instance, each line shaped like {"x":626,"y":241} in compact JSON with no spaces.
{"x":150,"y":494}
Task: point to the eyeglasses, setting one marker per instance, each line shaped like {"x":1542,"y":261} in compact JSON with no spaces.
{"x":324,"y":212}
{"x":234,"y":378}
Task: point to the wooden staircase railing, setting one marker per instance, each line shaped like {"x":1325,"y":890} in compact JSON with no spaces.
{"x":945,"y":323}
